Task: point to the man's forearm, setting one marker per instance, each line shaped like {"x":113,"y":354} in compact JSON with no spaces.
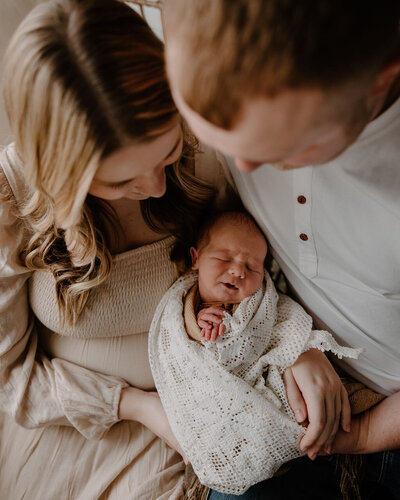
{"x":376,"y":430}
{"x":383,"y":426}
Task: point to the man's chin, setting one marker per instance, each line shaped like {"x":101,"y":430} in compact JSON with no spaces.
{"x":286,"y":166}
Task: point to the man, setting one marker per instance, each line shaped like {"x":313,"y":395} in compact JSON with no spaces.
{"x":293,"y":84}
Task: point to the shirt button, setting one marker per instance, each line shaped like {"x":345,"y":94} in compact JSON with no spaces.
{"x":301,"y":199}
{"x":303,"y":237}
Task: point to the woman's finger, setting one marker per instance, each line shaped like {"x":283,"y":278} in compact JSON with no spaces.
{"x":317,"y":418}
{"x":295,"y":398}
{"x":319,"y":385}
{"x":332,"y":418}
{"x":182,"y":453}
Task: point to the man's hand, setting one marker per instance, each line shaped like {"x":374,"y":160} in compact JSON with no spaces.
{"x":314,"y":391}
{"x":350,"y":442}
{"x":210,"y":322}
{"x":375,"y":430}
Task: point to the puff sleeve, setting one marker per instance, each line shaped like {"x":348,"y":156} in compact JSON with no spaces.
{"x":34,"y":390}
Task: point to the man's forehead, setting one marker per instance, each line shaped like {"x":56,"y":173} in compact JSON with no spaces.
{"x":264,"y":124}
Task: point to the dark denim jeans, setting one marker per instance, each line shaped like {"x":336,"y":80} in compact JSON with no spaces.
{"x":308,"y":480}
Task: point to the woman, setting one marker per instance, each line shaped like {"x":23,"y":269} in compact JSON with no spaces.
{"x":99,"y":185}
{"x":98,"y":139}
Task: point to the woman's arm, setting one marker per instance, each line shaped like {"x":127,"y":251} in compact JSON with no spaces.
{"x":35,"y":390}
{"x":146,"y":408}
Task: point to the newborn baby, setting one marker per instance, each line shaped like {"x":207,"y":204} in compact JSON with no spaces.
{"x":229,"y":257}
{"x":225,"y":399}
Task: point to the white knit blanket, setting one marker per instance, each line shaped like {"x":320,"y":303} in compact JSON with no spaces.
{"x":226,"y":400}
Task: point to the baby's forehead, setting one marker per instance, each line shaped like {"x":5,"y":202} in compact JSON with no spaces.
{"x":225,"y":231}
{"x":231,"y":223}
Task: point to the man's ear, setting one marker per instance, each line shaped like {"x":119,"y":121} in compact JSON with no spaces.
{"x":385,"y":79}
{"x":195,"y":257}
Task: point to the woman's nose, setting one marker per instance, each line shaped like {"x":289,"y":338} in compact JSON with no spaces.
{"x":156,"y":184}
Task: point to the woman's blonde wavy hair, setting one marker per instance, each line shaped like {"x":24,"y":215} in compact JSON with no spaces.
{"x":83,"y":78}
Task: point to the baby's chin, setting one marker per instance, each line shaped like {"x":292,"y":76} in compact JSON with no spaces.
{"x":226,"y":294}
{"x":219,"y":294}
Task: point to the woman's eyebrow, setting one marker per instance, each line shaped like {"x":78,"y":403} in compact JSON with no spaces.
{"x":174,"y":147}
{"x":127,"y":180}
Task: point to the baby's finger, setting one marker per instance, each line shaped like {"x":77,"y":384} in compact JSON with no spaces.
{"x":221,"y":329}
{"x":218,"y":311}
{"x":214,"y":333}
{"x":210,"y":317}
{"x":203,"y":324}
{"x":207,"y":333}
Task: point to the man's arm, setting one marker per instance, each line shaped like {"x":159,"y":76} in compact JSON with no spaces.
{"x":375,"y":430}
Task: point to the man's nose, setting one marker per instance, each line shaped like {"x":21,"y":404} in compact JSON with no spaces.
{"x":246,"y":165}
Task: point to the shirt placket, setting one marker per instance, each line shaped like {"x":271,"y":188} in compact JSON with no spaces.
{"x":306,"y":250}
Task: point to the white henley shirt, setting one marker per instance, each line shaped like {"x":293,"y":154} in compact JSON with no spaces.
{"x":335,"y":231}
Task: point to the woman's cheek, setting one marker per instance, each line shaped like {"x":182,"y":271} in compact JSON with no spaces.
{"x":105,"y":193}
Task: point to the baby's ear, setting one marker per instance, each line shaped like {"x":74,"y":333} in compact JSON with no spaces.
{"x":194,"y":254}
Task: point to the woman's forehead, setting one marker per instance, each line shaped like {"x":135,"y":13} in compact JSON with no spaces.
{"x":138,"y":158}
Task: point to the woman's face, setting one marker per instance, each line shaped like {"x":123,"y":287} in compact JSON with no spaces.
{"x":137,"y":172}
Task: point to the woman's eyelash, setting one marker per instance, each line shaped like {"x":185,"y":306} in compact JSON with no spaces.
{"x":118,"y":184}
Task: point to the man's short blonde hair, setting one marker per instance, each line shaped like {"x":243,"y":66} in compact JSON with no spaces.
{"x":228,"y":49}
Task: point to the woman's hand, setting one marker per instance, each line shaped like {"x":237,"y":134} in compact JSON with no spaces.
{"x":146,"y":408}
{"x":314,"y":391}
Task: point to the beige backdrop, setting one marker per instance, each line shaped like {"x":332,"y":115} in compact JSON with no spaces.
{"x":11,"y":14}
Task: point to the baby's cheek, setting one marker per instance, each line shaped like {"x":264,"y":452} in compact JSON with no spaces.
{"x":256,"y":284}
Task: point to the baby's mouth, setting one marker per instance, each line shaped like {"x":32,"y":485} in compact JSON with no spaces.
{"x":230,"y":286}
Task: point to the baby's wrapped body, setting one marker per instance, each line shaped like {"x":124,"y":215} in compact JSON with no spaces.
{"x":226,"y":400}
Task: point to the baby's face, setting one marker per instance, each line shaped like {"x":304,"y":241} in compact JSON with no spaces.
{"x":231,"y":263}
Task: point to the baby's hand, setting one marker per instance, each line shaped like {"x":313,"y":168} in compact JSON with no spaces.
{"x":210,"y":322}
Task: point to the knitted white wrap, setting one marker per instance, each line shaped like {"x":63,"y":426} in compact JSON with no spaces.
{"x":234,"y":424}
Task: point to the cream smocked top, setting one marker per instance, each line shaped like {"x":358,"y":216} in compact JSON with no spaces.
{"x":123,"y":305}
{"x":73,"y":376}
{"x":110,"y":336}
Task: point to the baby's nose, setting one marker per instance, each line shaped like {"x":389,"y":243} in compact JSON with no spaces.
{"x":237,"y":269}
